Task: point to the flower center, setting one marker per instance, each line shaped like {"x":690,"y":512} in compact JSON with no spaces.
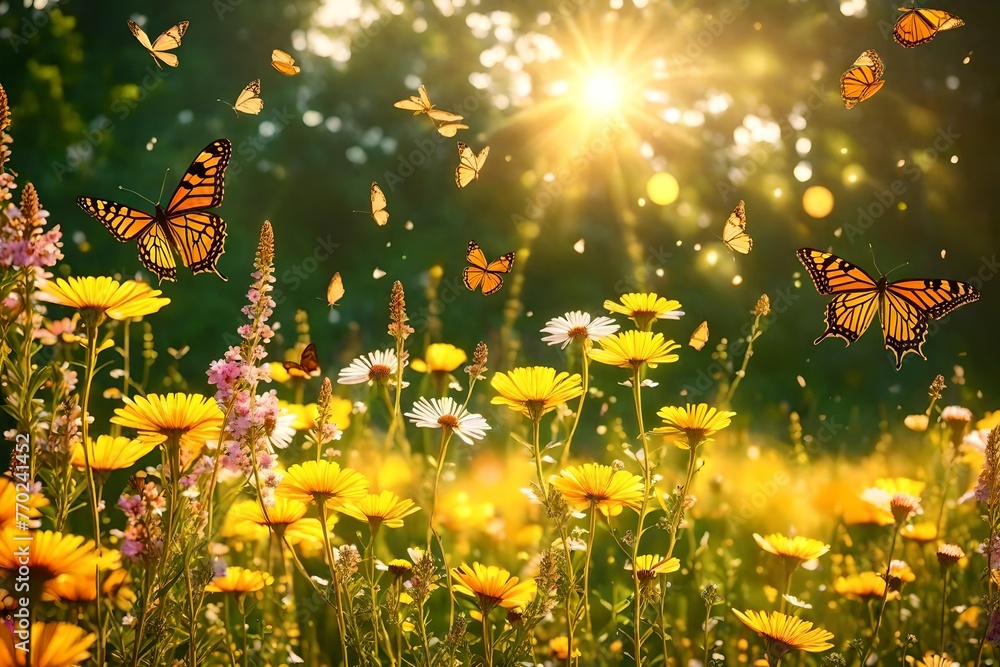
{"x":577,"y":332}
{"x":448,"y":421}
{"x":379,"y":373}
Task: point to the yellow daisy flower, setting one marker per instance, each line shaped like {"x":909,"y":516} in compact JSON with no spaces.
{"x":863,"y":586}
{"x":440,"y":358}
{"x":649,"y":567}
{"x":96,"y":298}
{"x":306,"y":415}
{"x":384,"y":509}
{"x":595,"y":486}
{"x":634,"y":349}
{"x":644,"y":308}
{"x":282,"y":514}
{"x":783,"y":633}
{"x":493,"y":587}
{"x":9,"y":510}
{"x":932,"y":659}
{"x":108,"y":453}
{"x":692,"y":425}
{"x":559,"y":647}
{"x":52,"y":645}
{"x":534,"y":391}
{"x":917,"y":423}
{"x":52,"y":555}
{"x":240,"y":581}
{"x":190,"y":418}
{"x":323,"y":482}
{"x":793,"y":550}
{"x":399,"y":567}
{"x":921,"y":533}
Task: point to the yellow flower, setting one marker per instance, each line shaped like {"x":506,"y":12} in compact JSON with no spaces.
{"x":597,"y":486}
{"x":323,"y":482}
{"x":932,"y":659}
{"x":52,"y":555}
{"x":916,"y":422}
{"x":493,"y":587}
{"x":535,"y":390}
{"x":648,"y":567}
{"x":53,"y":645}
{"x":108,"y":453}
{"x":282,"y":514}
{"x":440,"y":358}
{"x":634,"y":349}
{"x":399,"y":567}
{"x":559,"y":646}
{"x":696,"y":424}
{"x":792,"y":550}
{"x":306,"y":415}
{"x":920,"y":532}
{"x":97,"y":297}
{"x":191,"y":419}
{"x":278,"y":373}
{"x":900,"y":573}
{"x":385,"y":509}
{"x":864,"y":586}
{"x":783,"y":633}
{"x":240,"y":581}
{"x":643,"y":308}
{"x":9,"y":510}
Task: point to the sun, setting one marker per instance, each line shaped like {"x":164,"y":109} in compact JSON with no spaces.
{"x":602,"y":90}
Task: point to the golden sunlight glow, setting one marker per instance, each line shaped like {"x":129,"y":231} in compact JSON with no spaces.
{"x":817,"y":201}
{"x":663,"y":188}
{"x":602,"y":91}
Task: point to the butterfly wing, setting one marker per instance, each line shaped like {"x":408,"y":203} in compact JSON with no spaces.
{"x":502,"y":264}
{"x":284,"y":63}
{"x":919,"y":26}
{"x":140,"y":35}
{"x":700,"y":336}
{"x":170,"y":39}
{"x":335,"y":290}
{"x":481,"y":273}
{"x":200,"y":239}
{"x":443,"y":116}
{"x":863,"y":80}
{"x":481,"y":159}
{"x":469,"y":164}
{"x":378,"y":205}
{"x":156,"y":254}
{"x":249,"y":100}
{"x":909,"y":304}
{"x":734,"y":233}
{"x":308,"y":365}
{"x":202,"y":185}
{"x":856,"y":295}
{"x":123,"y":222}
{"x":449,"y":129}
{"x":425,"y":99}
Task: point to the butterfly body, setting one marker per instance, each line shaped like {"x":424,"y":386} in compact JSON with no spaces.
{"x":184,"y":227}
{"x":904,"y":307}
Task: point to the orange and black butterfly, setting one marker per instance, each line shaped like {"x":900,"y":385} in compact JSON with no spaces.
{"x":903,"y":307}
{"x":487,"y":275}
{"x":184,"y":227}
{"x":863,"y":80}
{"x":918,"y":26}
{"x":308,"y":365}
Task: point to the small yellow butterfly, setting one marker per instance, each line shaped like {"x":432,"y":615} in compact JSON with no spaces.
{"x":734,"y":234}
{"x":378,"y":212}
{"x":335,"y":290}
{"x":249,"y":100}
{"x":169,"y":40}
{"x":469,"y":164}
{"x":284,"y":63}
{"x":699,"y":337}
{"x":422,"y":104}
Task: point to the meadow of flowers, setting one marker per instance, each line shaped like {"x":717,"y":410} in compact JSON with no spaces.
{"x":431,"y":506}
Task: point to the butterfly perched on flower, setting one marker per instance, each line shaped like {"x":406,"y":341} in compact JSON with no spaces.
{"x":483,"y":274}
{"x":469,"y":164}
{"x":184,"y":227}
{"x":734,"y":234}
{"x":904,"y":307}
{"x":307,"y":366}
{"x":863,"y":80}
{"x":284,"y":63}
{"x":918,"y":26}
{"x":249,"y":100}
{"x":169,"y":40}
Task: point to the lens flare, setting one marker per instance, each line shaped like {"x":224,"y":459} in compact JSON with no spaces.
{"x":602,"y":91}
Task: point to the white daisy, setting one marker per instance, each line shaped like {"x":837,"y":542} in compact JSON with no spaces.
{"x":378,"y":367}
{"x":577,"y":326}
{"x":283,"y":432}
{"x":445,"y":412}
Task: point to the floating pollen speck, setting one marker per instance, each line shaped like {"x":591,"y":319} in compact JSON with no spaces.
{"x":580,"y":246}
{"x":801,"y":380}
{"x":378,"y":273}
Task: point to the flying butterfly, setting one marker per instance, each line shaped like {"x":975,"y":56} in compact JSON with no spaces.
{"x":379,"y":214}
{"x":335,"y":290}
{"x":284,"y":63}
{"x":734,"y":234}
{"x":169,"y":40}
{"x":422,"y":104}
{"x":904,"y":307}
{"x":249,"y":100}
{"x":699,"y":337}
{"x":918,"y":26}
{"x":487,"y":275}
{"x":469,"y":164}
{"x":307,"y":366}
{"x":863,"y":80}
{"x":184,"y":227}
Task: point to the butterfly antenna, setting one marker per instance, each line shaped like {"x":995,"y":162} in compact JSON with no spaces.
{"x":870,"y":248}
{"x":228,"y":105}
{"x":163,"y":184}
{"x":137,"y":194}
{"x":898,"y":267}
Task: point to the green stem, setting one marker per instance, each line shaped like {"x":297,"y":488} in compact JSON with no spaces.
{"x":944,"y":607}
{"x":789,"y":569}
{"x":579,"y":407}
{"x":885,"y":596}
{"x":95,"y":499}
{"x":678,"y":513}
{"x":586,"y":571}
{"x":571,"y":577}
{"x":370,"y":557}
{"x":442,"y":453}
{"x":336,"y":584}
{"x":647,"y":484}
{"x":727,"y":400}
{"x":487,"y":641}
{"x":536,"y":447}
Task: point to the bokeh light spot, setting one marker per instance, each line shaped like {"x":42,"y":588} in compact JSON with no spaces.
{"x":817,"y":201}
{"x":663,"y":189}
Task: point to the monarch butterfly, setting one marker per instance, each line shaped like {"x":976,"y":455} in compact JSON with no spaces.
{"x":469,"y":164}
{"x":863,"y":80}
{"x":249,"y":99}
{"x":185,"y":227}
{"x":335,"y":290}
{"x":487,"y":275}
{"x":449,"y":129}
{"x":904,"y":307}
{"x":308,"y":365}
{"x":699,"y":337}
{"x":422,"y":104}
{"x":284,"y":63}
{"x":919,"y":26}
{"x":734,"y":234}
{"x":169,"y":40}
